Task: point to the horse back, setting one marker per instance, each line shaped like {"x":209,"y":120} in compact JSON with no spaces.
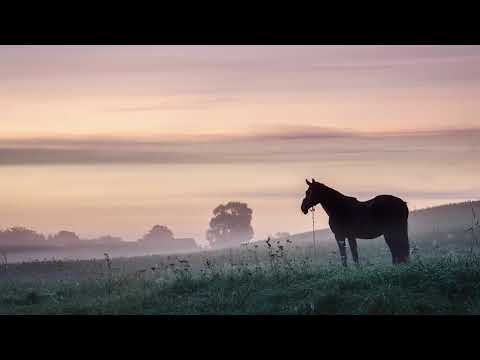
{"x":386,"y":206}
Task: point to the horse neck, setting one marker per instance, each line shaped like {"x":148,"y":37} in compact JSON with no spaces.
{"x":330,"y":200}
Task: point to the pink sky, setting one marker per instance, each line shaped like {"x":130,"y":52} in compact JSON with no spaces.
{"x":114,"y":139}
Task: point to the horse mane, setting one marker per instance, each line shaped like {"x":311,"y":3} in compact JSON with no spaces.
{"x":342,"y":202}
{"x":338,"y":194}
{"x":351,"y":198}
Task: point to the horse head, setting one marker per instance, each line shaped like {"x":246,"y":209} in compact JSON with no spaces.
{"x":311,"y":198}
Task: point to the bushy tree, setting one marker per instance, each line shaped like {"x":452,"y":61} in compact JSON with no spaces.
{"x":230,"y":225}
{"x":21,"y":236}
{"x":159,"y":234}
{"x":107,"y":240}
{"x":64,"y":238}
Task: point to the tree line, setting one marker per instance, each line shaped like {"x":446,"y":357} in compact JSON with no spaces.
{"x":229,"y":226}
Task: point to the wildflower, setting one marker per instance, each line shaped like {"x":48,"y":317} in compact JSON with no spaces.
{"x":268,"y":242}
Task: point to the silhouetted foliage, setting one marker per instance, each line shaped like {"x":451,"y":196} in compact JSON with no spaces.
{"x":21,"y":236}
{"x":159,"y":234}
{"x":231,"y":224}
{"x":160,"y":237}
{"x":106,"y":240}
{"x":64,"y":238}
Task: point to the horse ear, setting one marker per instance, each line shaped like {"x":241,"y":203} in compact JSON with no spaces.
{"x":308,"y":182}
{"x":313,"y":180}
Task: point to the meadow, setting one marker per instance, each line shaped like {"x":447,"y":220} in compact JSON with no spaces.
{"x":274,"y":277}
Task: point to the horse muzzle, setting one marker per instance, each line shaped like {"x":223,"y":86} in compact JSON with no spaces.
{"x":304,"y":208}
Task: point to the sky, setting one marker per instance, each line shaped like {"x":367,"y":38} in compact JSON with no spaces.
{"x":115,"y":139}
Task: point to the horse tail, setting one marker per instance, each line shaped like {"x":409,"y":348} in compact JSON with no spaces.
{"x":403,"y":246}
{"x":405,"y":243}
{"x":405,"y":209}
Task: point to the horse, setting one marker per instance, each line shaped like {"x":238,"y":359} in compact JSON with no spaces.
{"x":351,"y":219}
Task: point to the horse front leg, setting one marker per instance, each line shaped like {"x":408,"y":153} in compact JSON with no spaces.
{"x":353,"y":248}
{"x":342,"y":248}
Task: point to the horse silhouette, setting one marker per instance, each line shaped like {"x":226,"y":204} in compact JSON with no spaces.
{"x":349,"y":218}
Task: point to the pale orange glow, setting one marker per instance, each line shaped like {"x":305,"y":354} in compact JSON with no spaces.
{"x":115,"y":139}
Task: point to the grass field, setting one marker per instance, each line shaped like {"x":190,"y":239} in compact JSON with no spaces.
{"x":281,"y":279}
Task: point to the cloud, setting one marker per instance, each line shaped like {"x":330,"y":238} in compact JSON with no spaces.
{"x":361,"y":195}
{"x":156,"y":70}
{"x":68,"y":156}
{"x":186,"y":104}
{"x":282,"y":144}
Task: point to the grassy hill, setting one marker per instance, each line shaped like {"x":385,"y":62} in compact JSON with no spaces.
{"x":443,"y":218}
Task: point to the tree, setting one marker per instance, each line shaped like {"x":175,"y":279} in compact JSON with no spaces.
{"x":231,"y":224}
{"x":106,"y":240}
{"x":21,"y":236}
{"x":64,"y":238}
{"x":158,"y":235}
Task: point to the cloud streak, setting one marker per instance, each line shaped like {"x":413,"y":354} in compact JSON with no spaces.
{"x":288,"y":144}
{"x":360,"y":195}
{"x":232,"y":70}
{"x":192,"y":104}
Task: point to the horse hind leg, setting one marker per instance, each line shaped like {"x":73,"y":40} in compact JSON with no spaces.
{"x":353,"y":248}
{"x":403,"y":244}
{"x":397,"y":241}
{"x":393,"y":249}
{"x":341,"y":246}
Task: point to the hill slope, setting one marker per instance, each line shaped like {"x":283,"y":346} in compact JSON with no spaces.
{"x":443,"y":218}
